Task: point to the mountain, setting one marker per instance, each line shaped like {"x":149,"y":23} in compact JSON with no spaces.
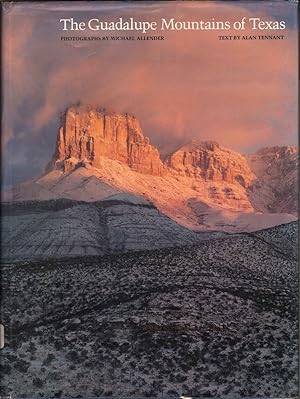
{"x":67,"y":228}
{"x":202,"y":185}
{"x":216,"y":319}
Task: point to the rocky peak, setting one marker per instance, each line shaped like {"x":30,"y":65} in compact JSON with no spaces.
{"x":208,"y":145}
{"x":87,"y":133}
{"x":276,"y":151}
{"x":277,"y":169}
{"x":207,"y":160}
{"x":274,"y":161}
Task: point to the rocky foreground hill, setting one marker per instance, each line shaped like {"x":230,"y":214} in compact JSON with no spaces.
{"x":67,"y":228}
{"x":202,"y":185}
{"x":215,"y":319}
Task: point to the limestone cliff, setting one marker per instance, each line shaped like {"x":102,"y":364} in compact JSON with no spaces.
{"x":87,"y":133}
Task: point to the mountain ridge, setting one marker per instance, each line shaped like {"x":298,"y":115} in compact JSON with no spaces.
{"x":66,"y":228}
{"x":201,"y":185}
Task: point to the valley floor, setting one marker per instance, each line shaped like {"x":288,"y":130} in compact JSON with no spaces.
{"x":216,"y":319}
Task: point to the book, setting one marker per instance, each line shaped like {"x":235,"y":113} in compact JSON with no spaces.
{"x":149,"y":199}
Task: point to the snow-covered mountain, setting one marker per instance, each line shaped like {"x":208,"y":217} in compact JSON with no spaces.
{"x":202,"y":185}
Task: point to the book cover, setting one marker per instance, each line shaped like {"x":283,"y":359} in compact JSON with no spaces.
{"x":149,"y":199}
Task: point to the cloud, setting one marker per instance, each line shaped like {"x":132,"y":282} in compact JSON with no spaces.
{"x":189,"y":85}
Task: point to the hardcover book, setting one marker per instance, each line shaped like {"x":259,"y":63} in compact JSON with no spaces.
{"x":149,"y":199}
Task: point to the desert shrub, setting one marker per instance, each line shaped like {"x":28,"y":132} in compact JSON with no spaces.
{"x":48,"y":359}
{"x":180,"y":377}
{"x":73,"y":356}
{"x":37,"y":382}
{"x":32,"y":348}
{"x":133,"y":364}
{"x":58,"y":345}
{"x":54,"y":376}
{"x":172,"y":392}
{"x":11,"y":357}
{"x":97,"y":392}
{"x":5,"y":369}
{"x":207,"y":394}
{"x":21,"y":365}
{"x":124,"y":347}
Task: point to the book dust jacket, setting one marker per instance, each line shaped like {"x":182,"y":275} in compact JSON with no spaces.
{"x":149,"y":197}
